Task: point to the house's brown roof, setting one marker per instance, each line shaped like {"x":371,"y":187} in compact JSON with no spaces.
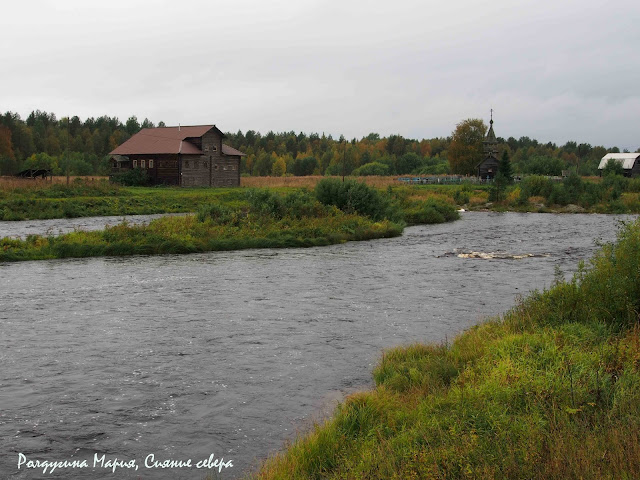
{"x":227,"y":150}
{"x":167,"y":140}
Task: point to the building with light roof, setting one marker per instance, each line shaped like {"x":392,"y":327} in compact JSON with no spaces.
{"x":630,"y":162}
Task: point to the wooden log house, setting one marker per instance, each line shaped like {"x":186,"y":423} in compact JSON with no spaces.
{"x":185,"y":156}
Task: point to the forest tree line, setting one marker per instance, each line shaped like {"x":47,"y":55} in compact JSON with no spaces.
{"x":76,"y":147}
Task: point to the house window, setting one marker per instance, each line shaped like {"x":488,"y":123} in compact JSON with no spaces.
{"x":215,"y":167}
{"x":214,"y":148}
{"x":142,"y":164}
{"x":150,"y":163}
{"x":135,"y":164}
{"x":233,"y":167}
{"x":206,"y":148}
{"x":186,"y":164}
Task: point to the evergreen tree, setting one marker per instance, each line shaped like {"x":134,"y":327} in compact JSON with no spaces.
{"x":505,"y":168}
{"x":503,"y":178}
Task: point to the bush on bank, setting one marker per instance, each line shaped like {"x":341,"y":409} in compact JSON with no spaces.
{"x":551,"y":390}
{"x":356,"y":197}
{"x":395,"y":204}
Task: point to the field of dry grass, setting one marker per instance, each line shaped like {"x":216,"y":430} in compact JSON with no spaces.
{"x":311,"y":181}
{"x":13,"y":183}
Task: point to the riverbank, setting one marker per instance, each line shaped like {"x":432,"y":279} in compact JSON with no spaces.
{"x":573,"y":194}
{"x":549,"y":390}
{"x":239,"y":219}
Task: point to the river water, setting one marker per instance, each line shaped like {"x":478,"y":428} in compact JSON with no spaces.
{"x":232,"y":353}
{"x":59,"y":226}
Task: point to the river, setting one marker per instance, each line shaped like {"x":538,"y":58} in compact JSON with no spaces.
{"x":59,"y":226}
{"x":233,"y":353}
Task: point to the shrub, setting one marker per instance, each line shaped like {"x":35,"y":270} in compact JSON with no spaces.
{"x":523,"y":196}
{"x":301,"y":204}
{"x":574,"y":187}
{"x":355,"y":197}
{"x":214,"y":212}
{"x":633,"y":185}
{"x":432,"y":211}
{"x":297,"y":204}
{"x":615,"y":185}
{"x":591,"y":195}
{"x":543,"y":165}
{"x":461,"y":196}
{"x":498,"y":188}
{"x":536,"y":186}
{"x":373,"y":168}
{"x":441,"y":168}
{"x":558,"y":195}
{"x":136,"y":177}
{"x":265,"y":202}
{"x":613,"y":167}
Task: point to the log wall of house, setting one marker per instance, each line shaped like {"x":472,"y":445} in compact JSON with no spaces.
{"x":226,"y":172}
{"x":195,"y":171}
{"x":225,"y":169}
{"x":164,"y":169}
{"x":167,"y":170}
{"x":212,"y":168}
{"x":212,"y":150}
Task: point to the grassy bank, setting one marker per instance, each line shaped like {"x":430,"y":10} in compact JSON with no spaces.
{"x":254,"y":218}
{"x":549,"y":390}
{"x":611,"y":194}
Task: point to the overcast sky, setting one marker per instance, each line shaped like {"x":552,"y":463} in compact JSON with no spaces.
{"x":551,"y":70}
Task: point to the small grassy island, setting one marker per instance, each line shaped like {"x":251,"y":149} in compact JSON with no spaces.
{"x":292,"y":212}
{"x":549,"y":391}
{"x":225,"y":219}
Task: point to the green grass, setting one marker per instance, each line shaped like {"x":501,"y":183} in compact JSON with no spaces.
{"x":101,"y":199}
{"x":551,"y":390}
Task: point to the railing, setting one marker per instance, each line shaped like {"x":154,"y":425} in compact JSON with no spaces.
{"x":443,"y":180}
{"x":456,"y":180}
